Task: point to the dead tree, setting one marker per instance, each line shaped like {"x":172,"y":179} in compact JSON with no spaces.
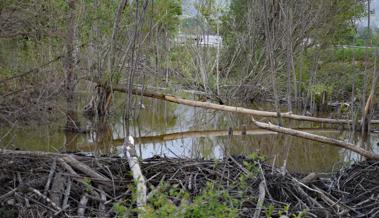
{"x":365,"y":81}
{"x":270,"y":39}
{"x":70,"y":62}
{"x":370,"y":100}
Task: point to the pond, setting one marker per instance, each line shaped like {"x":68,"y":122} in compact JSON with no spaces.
{"x":172,"y":130}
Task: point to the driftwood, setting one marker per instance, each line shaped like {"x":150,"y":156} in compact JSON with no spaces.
{"x":208,"y":105}
{"x":352,"y":147}
{"x":261,"y":198}
{"x":139,"y":179}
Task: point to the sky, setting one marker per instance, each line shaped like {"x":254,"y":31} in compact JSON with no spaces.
{"x":188,"y":7}
{"x":375,"y":17}
{"x":189,"y":10}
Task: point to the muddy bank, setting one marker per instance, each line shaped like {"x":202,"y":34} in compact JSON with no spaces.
{"x":60,"y":185}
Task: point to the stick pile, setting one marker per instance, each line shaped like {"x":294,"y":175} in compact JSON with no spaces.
{"x":68,"y":185}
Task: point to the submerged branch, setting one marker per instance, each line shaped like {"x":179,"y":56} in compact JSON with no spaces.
{"x":323,"y":139}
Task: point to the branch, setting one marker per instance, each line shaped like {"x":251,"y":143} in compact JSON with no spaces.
{"x":305,"y":135}
{"x":242,"y":110}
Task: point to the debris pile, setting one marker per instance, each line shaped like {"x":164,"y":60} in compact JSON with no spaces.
{"x":63,"y":185}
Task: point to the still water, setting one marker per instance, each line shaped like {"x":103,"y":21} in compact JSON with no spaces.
{"x":167,"y":129}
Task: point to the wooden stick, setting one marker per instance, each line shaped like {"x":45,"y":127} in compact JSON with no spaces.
{"x":8,"y":194}
{"x":301,"y":134}
{"x":138,"y":177}
{"x":44,"y":197}
{"x":51,"y":173}
{"x":82,"y":205}
{"x":67,"y":192}
{"x":261,"y":198}
{"x":102,"y":210}
{"x":84,"y":168}
{"x":208,"y":105}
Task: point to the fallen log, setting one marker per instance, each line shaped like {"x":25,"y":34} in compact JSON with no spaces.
{"x":135,"y":168}
{"x":357,"y":149}
{"x":84,"y":168}
{"x":208,"y":105}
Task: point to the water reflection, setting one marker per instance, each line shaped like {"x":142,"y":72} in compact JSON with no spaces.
{"x":168,"y":129}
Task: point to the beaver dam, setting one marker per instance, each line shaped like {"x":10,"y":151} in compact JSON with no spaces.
{"x":37,"y":184}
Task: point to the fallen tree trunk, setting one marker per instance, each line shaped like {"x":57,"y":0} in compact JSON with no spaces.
{"x":305,"y":135}
{"x":208,"y":105}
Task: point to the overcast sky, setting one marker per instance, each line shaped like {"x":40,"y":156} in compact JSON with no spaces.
{"x":375,"y":17}
{"x":189,"y":10}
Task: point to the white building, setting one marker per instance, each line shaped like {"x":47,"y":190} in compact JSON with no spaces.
{"x":199,"y":40}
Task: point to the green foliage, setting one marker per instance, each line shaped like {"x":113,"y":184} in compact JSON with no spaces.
{"x":256,"y":157}
{"x":318,"y":90}
{"x":334,"y":71}
{"x":244,"y":36}
{"x":87,"y":184}
{"x":120,"y":210}
{"x":251,"y":165}
{"x":211,"y":202}
{"x":163,"y":16}
{"x":338,"y":27}
{"x":231,"y":27}
{"x":209,"y":13}
{"x":347,"y":54}
{"x":270,"y":211}
{"x":166,"y":14}
{"x":102,"y":16}
{"x":284,"y":212}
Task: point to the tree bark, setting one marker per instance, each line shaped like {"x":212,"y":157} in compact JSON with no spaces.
{"x":139,"y":179}
{"x":323,"y":139}
{"x":365,"y":80}
{"x":289,"y":57}
{"x":105,"y":96}
{"x":370,"y":101}
{"x":270,"y":38}
{"x":208,"y":105}
{"x":72,"y":123}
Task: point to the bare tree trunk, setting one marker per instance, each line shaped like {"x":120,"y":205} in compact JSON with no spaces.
{"x":105,"y":95}
{"x":353,"y":114}
{"x":300,"y":92}
{"x":72,"y":123}
{"x":217,"y":63}
{"x":365,"y":81}
{"x":289,"y":57}
{"x":270,"y":38}
{"x":370,"y":101}
{"x":312,"y":81}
